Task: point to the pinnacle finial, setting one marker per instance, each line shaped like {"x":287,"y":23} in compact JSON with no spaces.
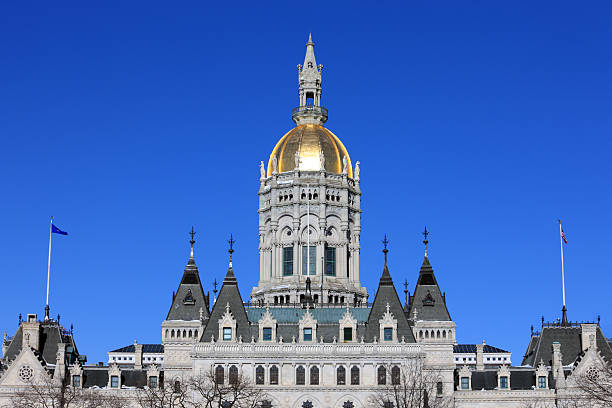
{"x":385,"y":242}
{"x":425,"y":241}
{"x":310,"y":38}
{"x":231,"y":243}
{"x":192,"y":240}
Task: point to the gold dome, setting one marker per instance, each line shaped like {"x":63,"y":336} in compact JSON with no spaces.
{"x":309,"y":141}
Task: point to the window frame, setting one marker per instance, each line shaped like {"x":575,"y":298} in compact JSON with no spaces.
{"x":330,"y":261}
{"x":76,"y":379}
{"x":114,"y":381}
{"x":153,"y":382}
{"x":267,"y":334}
{"x":313,"y":260}
{"x":307,"y":337}
{"x":388,"y":333}
{"x":226,"y":331}
{"x":465,"y":383}
{"x":287,"y":263}
{"x":541,"y":382}
{"x":346,"y":330}
{"x":340,"y":375}
{"x":503,"y":382}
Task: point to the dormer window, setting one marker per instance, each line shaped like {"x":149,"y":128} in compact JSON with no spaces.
{"x":503,"y":382}
{"x":227,"y":333}
{"x":267,"y":334}
{"x":308,"y":334}
{"x":388,"y":334}
{"x":348,"y":334}
{"x":114,"y":381}
{"x":541,"y":382}
{"x":76,"y":381}
{"x":465,"y":383}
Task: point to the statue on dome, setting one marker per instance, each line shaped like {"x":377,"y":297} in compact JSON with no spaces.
{"x":274,"y":165}
{"x":262,"y":171}
{"x":322,"y":159}
{"x":344,"y":165}
{"x":296,"y":158}
{"x":357,"y":171}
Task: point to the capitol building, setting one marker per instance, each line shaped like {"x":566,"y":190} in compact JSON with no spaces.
{"x":308,"y":335}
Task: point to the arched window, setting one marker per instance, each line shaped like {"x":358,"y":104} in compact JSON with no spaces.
{"x":300,"y":375}
{"x":438,"y":334}
{"x":341,"y":376}
{"x":233,"y":375}
{"x":274,"y":375}
{"x":382,"y":375}
{"x":314,"y":375}
{"x":219,"y":375}
{"x":172,"y":333}
{"x":190,"y":333}
{"x":167,"y":333}
{"x":395,"y":375}
{"x":195,"y":334}
{"x":184,"y":333}
{"x":177,"y":386}
{"x":354,"y":375}
{"x":259,"y":375}
{"x":443,"y":334}
{"x":421,"y":334}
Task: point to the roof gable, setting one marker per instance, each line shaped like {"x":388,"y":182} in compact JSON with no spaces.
{"x":189,"y":297}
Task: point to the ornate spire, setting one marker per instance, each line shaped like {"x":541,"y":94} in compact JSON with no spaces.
{"x":309,"y":79}
{"x":385,"y":242}
{"x":425,"y":241}
{"x":564,"y":316}
{"x":231,"y":243}
{"x":192,"y":241}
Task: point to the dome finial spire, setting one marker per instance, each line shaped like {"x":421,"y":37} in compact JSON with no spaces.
{"x":309,"y":76}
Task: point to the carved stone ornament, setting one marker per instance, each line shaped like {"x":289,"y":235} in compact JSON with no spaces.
{"x":25,"y":373}
{"x":428,"y":300}
{"x":189,"y":300}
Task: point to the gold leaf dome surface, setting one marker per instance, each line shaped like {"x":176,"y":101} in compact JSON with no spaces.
{"x":309,"y":141}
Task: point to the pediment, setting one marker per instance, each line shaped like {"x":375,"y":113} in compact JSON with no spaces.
{"x":25,"y":369}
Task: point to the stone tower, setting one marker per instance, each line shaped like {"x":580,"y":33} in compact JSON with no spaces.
{"x":309,"y":209}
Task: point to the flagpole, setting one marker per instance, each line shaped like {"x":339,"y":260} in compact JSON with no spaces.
{"x":48,"y":270}
{"x":564,"y":309}
{"x":562,"y":269}
{"x":308,"y":231}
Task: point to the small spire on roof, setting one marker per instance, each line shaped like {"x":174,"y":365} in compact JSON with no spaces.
{"x":564,"y":316}
{"x":231,"y":243}
{"x":385,"y":242}
{"x":405,"y":292}
{"x":425,"y":241}
{"x":310,"y":38}
{"x":192,"y":241}
{"x":215,"y":291}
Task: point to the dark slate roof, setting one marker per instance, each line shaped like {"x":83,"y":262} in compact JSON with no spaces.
{"x":51,"y":333}
{"x":386,"y":294}
{"x":146,"y":348}
{"x":321,"y":315}
{"x":229,"y":294}
{"x":570,"y":338}
{"x":428,"y":300}
{"x":96,"y":376}
{"x":471,"y":348}
{"x":189,"y":297}
{"x":520,"y":379}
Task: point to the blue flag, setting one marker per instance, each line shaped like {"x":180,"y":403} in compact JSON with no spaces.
{"x":56,"y":230}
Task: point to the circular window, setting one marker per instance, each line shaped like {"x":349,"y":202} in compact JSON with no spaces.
{"x":25,"y":373}
{"x":592,"y":373}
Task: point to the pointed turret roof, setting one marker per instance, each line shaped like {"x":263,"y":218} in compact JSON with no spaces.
{"x":310,"y":56}
{"x":428,"y":300}
{"x":228,"y":295}
{"x":387,"y":295}
{"x":189,"y":297}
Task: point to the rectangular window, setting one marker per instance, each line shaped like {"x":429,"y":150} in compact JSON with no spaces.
{"x":227,"y":333}
{"x":313,"y":260}
{"x":153,"y":382}
{"x":541,"y":382}
{"x":388,"y":333}
{"x":503,"y":382}
{"x":307,"y":334}
{"x":287,"y":261}
{"x":76,"y":381}
{"x":465,"y":383}
{"x":439,"y":388}
{"x":114,"y":381}
{"x":348,"y":334}
{"x":330,"y":261}
{"x":267,"y":334}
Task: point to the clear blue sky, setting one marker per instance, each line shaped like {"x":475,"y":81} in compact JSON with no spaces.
{"x":132,"y":121}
